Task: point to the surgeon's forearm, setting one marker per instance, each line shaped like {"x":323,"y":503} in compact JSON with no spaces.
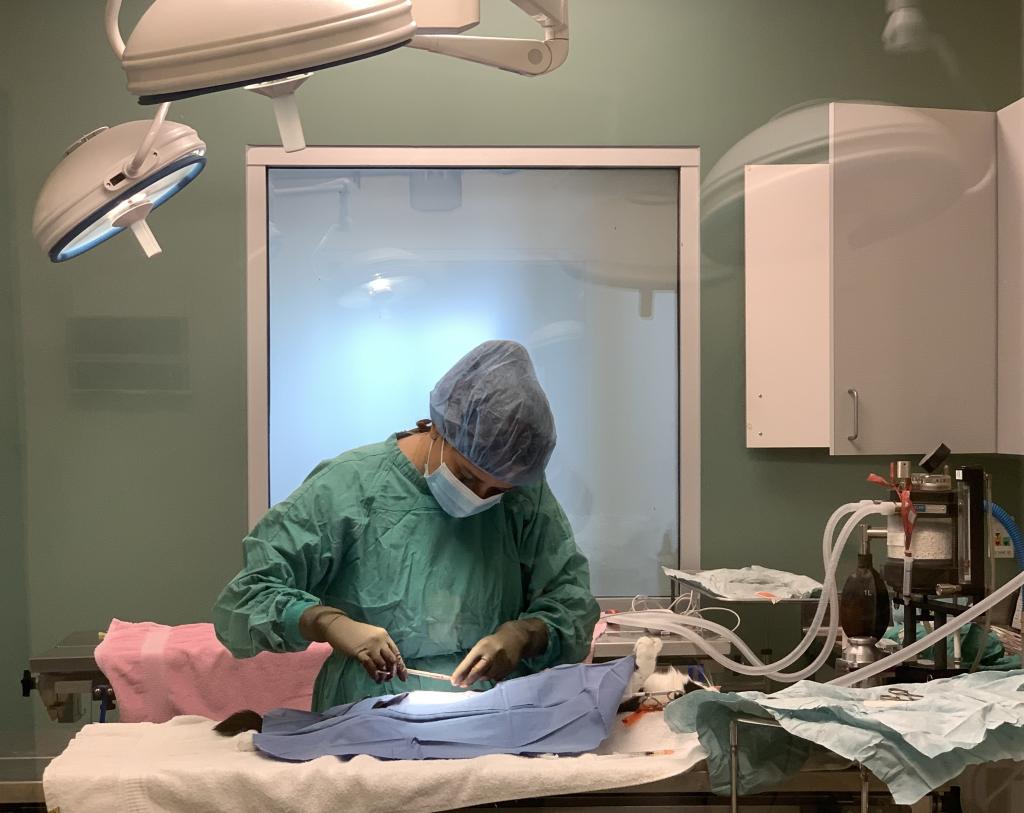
{"x":535,"y":633}
{"x":313,"y":622}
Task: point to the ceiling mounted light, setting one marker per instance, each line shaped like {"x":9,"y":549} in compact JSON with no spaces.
{"x":386,"y":274}
{"x":906,"y":31}
{"x":110,"y":180}
{"x":914,"y":146}
{"x":527,"y":57}
{"x":185,"y":48}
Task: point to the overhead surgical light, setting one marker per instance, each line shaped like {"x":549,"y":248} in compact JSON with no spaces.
{"x":393,"y":273}
{"x":523,"y":56}
{"x":185,"y":48}
{"x":110,"y":180}
{"x":916,"y":147}
{"x":379,"y":285}
{"x":907,"y":29}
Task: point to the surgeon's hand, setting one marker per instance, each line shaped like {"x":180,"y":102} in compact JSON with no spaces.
{"x":496,"y":656}
{"x":370,"y":645}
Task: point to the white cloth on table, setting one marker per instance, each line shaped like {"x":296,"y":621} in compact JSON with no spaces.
{"x":182,"y":765}
{"x":751,"y":582}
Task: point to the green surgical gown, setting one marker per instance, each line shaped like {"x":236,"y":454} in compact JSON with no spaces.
{"x":364,"y":534}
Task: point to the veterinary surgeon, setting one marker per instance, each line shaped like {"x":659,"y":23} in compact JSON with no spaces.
{"x":441,"y":549}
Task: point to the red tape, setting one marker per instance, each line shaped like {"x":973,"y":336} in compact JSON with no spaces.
{"x":907,"y":512}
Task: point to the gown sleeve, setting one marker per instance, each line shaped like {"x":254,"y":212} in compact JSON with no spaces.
{"x":557,"y":579}
{"x":289,"y":558}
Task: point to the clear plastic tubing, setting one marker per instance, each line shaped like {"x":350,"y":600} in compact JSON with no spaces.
{"x":683,"y":625}
{"x":688,"y":626}
{"x":932,"y":638}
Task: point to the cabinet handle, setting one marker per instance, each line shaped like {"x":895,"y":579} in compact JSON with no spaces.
{"x":856,"y":415}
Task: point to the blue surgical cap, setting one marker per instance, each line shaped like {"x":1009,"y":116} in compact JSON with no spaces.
{"x":490,"y":407}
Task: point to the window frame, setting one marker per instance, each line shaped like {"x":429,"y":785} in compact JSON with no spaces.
{"x":684,"y":160}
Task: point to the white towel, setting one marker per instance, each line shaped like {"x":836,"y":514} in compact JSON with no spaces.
{"x":746,"y":583}
{"x":182,"y":766}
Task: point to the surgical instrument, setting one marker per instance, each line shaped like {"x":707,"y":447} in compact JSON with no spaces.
{"x":430,"y":675}
{"x":900,"y":695}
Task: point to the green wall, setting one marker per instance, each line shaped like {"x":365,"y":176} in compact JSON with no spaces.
{"x":14,"y":712}
{"x":134,"y":508}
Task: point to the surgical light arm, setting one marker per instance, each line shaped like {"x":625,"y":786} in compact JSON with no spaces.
{"x":523,"y":56}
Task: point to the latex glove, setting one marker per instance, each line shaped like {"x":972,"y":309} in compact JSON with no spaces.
{"x":370,"y":645}
{"x":497,"y":655}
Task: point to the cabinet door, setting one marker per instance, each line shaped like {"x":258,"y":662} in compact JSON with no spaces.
{"x":1011,"y":279}
{"x":913,"y":279}
{"x":787,"y":305}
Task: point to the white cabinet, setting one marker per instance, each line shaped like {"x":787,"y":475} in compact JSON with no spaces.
{"x":1011,"y":278}
{"x":913,"y":279}
{"x":876,"y":315}
{"x":787,"y":293}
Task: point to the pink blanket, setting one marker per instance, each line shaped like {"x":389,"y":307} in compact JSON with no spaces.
{"x":158,"y":672}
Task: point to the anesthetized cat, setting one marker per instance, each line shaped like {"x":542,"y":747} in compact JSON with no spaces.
{"x":665,"y":685}
{"x":662,"y":685}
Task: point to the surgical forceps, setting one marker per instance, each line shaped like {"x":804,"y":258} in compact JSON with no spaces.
{"x":418,"y":673}
{"x":430,"y":675}
{"x":901,"y":695}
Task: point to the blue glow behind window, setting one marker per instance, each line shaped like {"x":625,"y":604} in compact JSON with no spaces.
{"x":381,"y":279}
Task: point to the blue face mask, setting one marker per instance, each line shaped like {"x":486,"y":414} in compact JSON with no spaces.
{"x":453,"y":495}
